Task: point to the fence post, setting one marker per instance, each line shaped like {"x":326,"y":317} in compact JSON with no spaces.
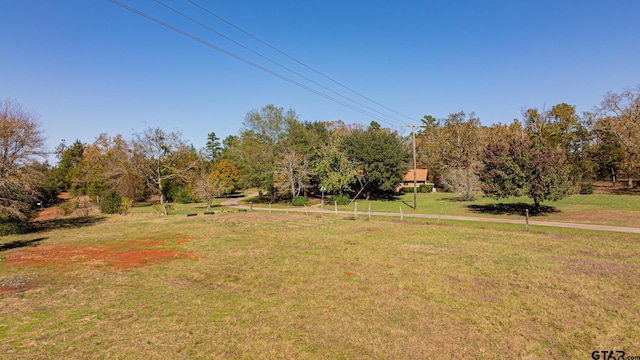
{"x":527,"y":214}
{"x":250,"y":205}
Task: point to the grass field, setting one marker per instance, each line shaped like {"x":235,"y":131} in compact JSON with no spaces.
{"x":602,"y":209}
{"x":260,"y":285}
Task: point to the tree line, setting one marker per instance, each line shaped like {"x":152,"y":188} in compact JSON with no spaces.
{"x":546,"y":155}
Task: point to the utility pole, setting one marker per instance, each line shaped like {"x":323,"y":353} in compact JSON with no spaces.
{"x":413,"y":128}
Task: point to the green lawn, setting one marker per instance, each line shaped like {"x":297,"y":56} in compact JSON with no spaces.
{"x":180,"y":209}
{"x":616,"y":210}
{"x":260,"y":285}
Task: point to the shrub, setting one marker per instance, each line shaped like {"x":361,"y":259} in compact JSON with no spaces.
{"x":95,"y":189}
{"x":161,"y":208}
{"x":75,"y":191}
{"x":422,"y":188}
{"x":183,"y":196}
{"x":425,"y":188}
{"x":586,"y":188}
{"x":340,"y":199}
{"x":111,"y":203}
{"x":126,"y":204}
{"x":178,"y":193}
{"x":48,"y":192}
{"x":69,"y":207}
{"x":299,"y":201}
{"x":14,"y":226}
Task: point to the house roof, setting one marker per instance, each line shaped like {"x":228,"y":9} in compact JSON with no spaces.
{"x":421,"y":175}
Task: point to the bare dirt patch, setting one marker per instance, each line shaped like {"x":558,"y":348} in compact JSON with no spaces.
{"x":125,"y":256}
{"x":64,"y":195}
{"x":49,"y":213}
{"x":16,"y":285}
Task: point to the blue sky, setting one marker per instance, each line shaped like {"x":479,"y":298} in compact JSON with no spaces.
{"x":90,"y":66}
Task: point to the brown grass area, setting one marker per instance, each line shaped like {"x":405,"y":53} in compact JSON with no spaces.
{"x":49,"y":213}
{"x":607,"y":187}
{"x":309,"y":287}
{"x":610,"y":217}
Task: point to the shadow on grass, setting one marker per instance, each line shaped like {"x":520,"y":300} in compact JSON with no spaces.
{"x":454,"y":198}
{"x":408,"y":205}
{"x":67,"y":223}
{"x":205,"y":206}
{"x":386,"y":196}
{"x":512,"y":209}
{"x":232,"y":196}
{"x":142,"y":204}
{"x":20,"y":243}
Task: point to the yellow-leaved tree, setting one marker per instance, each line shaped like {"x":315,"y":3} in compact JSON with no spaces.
{"x":221,"y":181}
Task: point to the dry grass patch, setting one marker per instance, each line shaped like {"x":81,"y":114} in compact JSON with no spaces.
{"x":305,"y":287}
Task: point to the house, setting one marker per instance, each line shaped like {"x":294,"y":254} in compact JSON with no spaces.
{"x":421,"y":177}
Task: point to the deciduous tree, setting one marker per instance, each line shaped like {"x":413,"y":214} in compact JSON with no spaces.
{"x":561,"y":128}
{"x":221,"y":181}
{"x":514,"y":166}
{"x":260,"y":148}
{"x":619,"y":116}
{"x":607,"y":152}
{"x":292,"y":173}
{"x":381,"y":157}
{"x":158,"y":157}
{"x":224,"y":178}
{"x":452,"y":149}
{"x":335,"y":171}
{"x":21,"y":145}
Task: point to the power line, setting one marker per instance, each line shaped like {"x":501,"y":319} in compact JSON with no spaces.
{"x":247,"y":61}
{"x":238,"y":57}
{"x":296,"y":60}
{"x":380,"y":114}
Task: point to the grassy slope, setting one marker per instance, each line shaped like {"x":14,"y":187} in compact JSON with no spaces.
{"x":278,"y":286}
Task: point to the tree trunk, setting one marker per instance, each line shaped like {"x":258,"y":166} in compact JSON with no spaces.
{"x":536,"y":205}
{"x":161,"y":193}
{"x":613,"y":175}
{"x":292,"y":183}
{"x":158,"y":174}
